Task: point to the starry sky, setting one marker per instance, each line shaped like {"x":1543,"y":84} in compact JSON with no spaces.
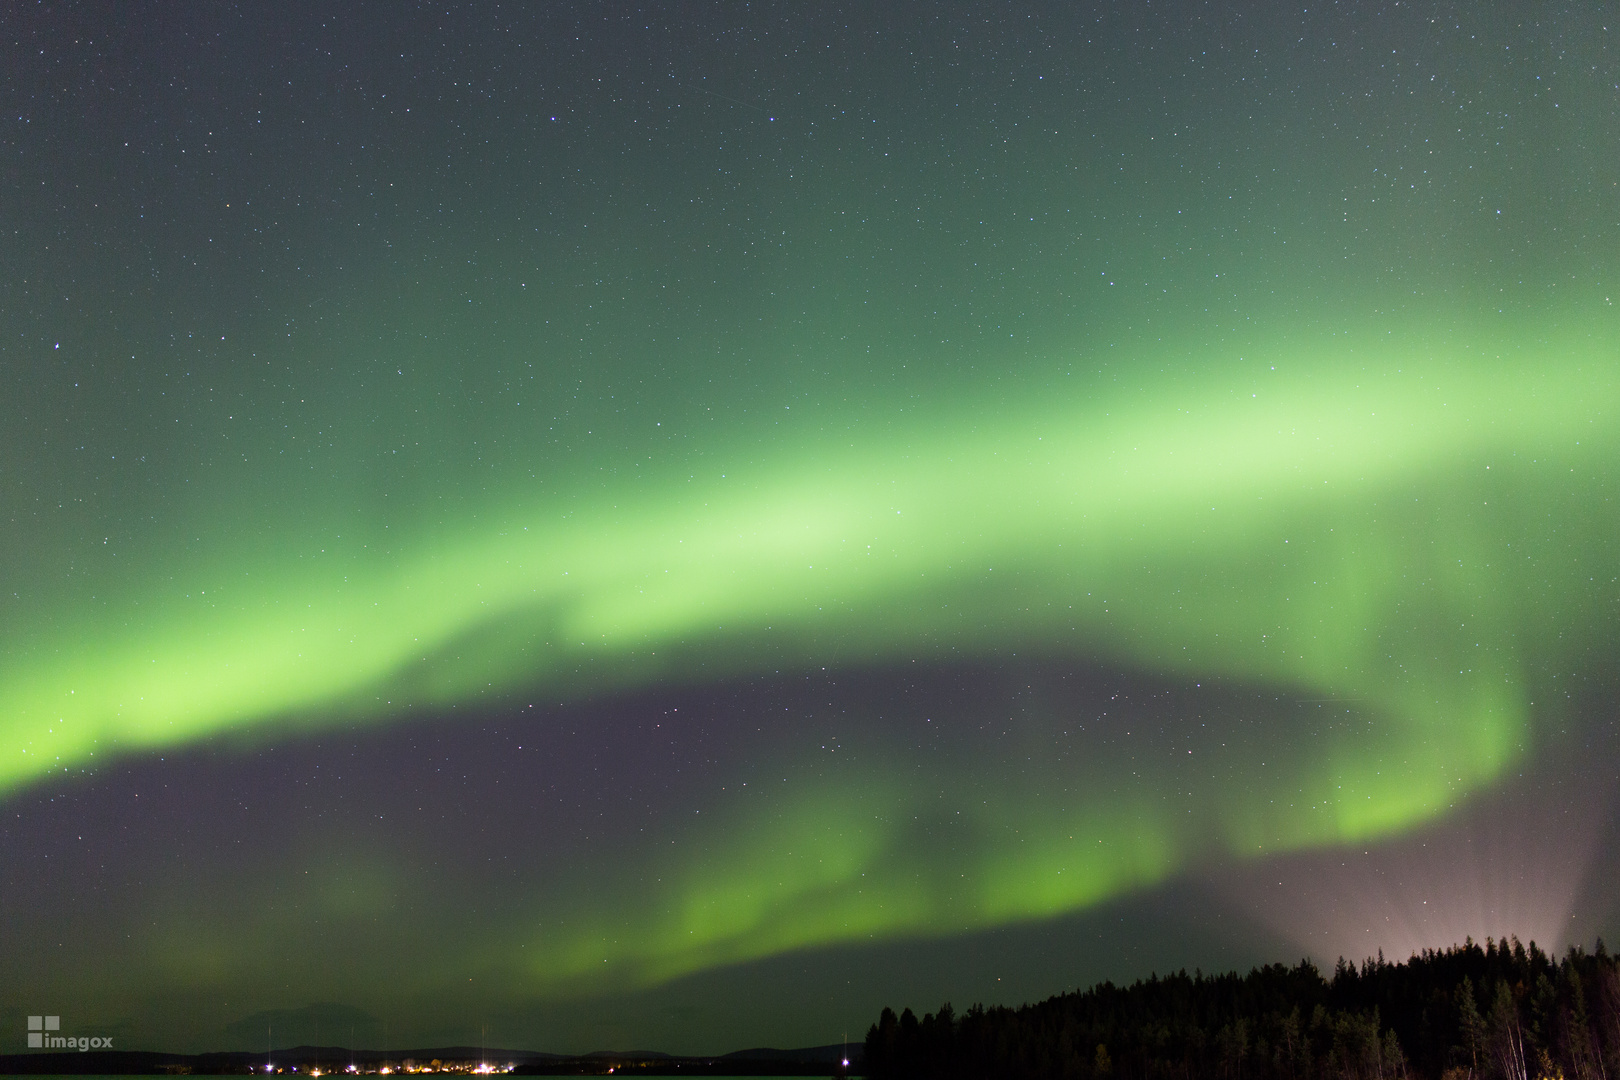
{"x":679,"y":525}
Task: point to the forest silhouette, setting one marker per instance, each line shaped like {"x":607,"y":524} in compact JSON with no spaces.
{"x":1502,"y":1011}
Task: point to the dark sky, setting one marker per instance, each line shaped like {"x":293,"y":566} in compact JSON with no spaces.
{"x":678,"y":526}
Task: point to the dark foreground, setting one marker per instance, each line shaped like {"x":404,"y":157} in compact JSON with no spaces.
{"x":1501,"y":1012}
{"x":308,"y":1061}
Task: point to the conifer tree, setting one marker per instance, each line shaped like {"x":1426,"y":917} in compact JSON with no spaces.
{"x":1470,"y":1024}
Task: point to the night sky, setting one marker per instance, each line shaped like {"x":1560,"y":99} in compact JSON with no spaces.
{"x":679,"y":525}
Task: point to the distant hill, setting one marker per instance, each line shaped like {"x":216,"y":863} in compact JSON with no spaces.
{"x":629,"y":1055}
{"x":829,"y":1055}
{"x":762,"y":1061}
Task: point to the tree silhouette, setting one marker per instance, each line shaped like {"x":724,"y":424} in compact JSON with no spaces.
{"x":1418,"y":1020}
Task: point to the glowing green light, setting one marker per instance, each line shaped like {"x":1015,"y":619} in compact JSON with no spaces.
{"x":1401,"y":533}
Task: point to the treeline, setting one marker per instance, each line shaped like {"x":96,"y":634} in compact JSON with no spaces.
{"x":1498,"y":1012}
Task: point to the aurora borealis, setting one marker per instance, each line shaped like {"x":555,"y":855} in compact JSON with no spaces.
{"x":674,"y":525}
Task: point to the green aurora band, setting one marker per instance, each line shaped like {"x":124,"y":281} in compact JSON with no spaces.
{"x":1414,"y":529}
